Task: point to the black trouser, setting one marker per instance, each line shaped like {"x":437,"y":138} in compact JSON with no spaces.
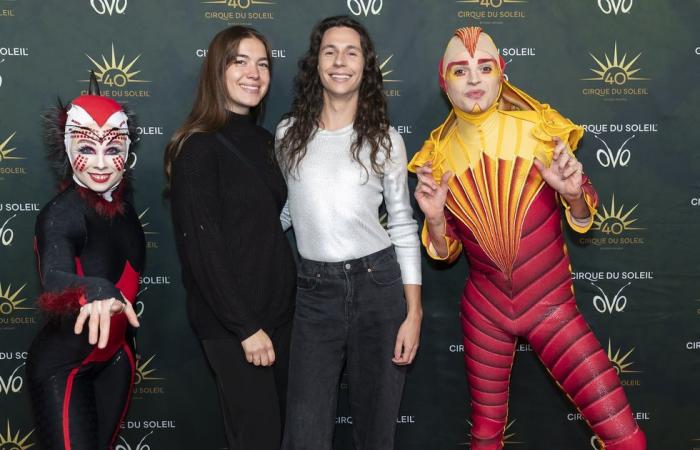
{"x":252,"y":397}
{"x":346,"y":312}
{"x":78,"y":405}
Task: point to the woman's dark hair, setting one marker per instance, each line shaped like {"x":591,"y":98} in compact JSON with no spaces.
{"x":209,"y":111}
{"x":371,"y":124}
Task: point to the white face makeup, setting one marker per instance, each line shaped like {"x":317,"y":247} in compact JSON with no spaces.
{"x":473,"y":82}
{"x":98,"y":155}
{"x":340,"y":61}
{"x":247,"y":77}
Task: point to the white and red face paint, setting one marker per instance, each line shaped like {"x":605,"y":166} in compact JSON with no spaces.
{"x":97,"y":142}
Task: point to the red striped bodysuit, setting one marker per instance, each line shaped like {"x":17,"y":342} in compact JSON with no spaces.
{"x":508,"y":222}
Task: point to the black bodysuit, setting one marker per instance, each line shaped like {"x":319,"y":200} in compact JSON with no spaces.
{"x":87,"y":249}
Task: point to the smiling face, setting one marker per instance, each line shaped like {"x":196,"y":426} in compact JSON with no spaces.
{"x":248,"y":76}
{"x":473,"y":82}
{"x":98,"y":155}
{"x":341,"y":62}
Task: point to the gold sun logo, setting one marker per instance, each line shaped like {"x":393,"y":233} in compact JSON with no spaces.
{"x":620,"y":362}
{"x":507,"y":437}
{"x":115,"y":73}
{"x":5,"y":152}
{"x":10,"y":442}
{"x":386,"y":71}
{"x":242,"y":4}
{"x":616,"y":71}
{"x":145,"y":224}
{"x":9,"y":301}
{"x":143,"y":372}
{"x":614,"y":221}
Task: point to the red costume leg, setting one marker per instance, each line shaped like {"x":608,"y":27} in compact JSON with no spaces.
{"x":576,"y":360}
{"x":488,"y":354}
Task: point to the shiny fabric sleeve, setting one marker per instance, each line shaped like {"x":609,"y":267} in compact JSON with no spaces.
{"x":401,"y":226}
{"x":285,"y":217}
{"x":195,"y":204}
{"x":60,"y":230}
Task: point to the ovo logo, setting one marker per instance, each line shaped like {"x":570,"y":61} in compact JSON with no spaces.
{"x":603,"y":304}
{"x":620,"y":362}
{"x":607,"y":157}
{"x":7,"y":235}
{"x":5,"y":152}
{"x":365,"y":7}
{"x":239,"y":4}
{"x":491,"y":3}
{"x":614,"y":221}
{"x":115,"y":74}
{"x":9,"y":441}
{"x":596,"y":443}
{"x":139,"y":304}
{"x":615,"y":6}
{"x":124,"y":445}
{"x":9,"y":302}
{"x":13,"y":384}
{"x":143,"y":372}
{"x":616,"y":71}
{"x":108,"y":6}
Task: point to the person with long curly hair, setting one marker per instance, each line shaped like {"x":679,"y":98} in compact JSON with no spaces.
{"x":226,"y":193}
{"x":358,"y":285}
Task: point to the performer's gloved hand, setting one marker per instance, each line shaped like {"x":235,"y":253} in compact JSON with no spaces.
{"x":429,"y":194}
{"x":565,"y":174}
{"x":99,"y":312}
{"x":258,"y":349}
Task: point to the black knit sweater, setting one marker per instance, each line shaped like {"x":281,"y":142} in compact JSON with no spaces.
{"x":237,"y":265}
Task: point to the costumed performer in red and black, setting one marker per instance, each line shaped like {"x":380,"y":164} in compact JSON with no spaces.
{"x":490,"y":182}
{"x":90,"y":251}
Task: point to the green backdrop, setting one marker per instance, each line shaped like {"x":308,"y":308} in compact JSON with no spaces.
{"x":626,"y":69}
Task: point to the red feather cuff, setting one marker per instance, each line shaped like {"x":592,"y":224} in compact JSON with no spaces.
{"x":65,"y":302}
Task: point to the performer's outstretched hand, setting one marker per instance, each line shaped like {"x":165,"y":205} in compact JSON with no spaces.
{"x":429,"y":194}
{"x":565,"y":174}
{"x":98,"y":314}
{"x":258,"y":349}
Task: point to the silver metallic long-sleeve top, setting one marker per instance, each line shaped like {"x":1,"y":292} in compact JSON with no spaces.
{"x":333,"y":202}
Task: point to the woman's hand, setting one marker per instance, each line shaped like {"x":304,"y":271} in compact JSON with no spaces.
{"x":98,"y":314}
{"x":407,"y":340}
{"x":258,"y":349}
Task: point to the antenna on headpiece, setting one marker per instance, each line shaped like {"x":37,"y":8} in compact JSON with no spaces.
{"x":94,"y":88}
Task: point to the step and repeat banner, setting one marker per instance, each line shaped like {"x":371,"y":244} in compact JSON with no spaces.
{"x":627,"y":70}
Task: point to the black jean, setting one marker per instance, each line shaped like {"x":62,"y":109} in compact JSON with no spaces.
{"x":251,"y":397}
{"x":347,"y":312}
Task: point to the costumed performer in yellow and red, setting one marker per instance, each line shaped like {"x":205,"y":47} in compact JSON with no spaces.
{"x":491,"y":179}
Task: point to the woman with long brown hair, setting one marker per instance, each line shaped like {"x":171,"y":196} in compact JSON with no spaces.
{"x":227,"y":192}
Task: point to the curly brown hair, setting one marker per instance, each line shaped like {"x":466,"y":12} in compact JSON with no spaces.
{"x":371,"y":123}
